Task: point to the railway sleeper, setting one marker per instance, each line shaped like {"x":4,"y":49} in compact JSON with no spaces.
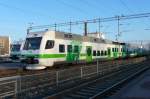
{"x":89,"y":91}
{"x":75,"y":96}
{"x":84,"y":93}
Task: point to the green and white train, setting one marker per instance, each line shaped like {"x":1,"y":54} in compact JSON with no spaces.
{"x":46,"y":48}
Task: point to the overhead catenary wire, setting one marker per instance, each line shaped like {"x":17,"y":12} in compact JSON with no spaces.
{"x":126,"y":6}
{"x":72,"y":7}
{"x":115,"y":18}
{"x":91,"y":5}
{"x":97,"y":6}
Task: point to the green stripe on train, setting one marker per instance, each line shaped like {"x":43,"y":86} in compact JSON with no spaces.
{"x":49,"y":55}
{"x":52,"y":55}
{"x":45,"y":55}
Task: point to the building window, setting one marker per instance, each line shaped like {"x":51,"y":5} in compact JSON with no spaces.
{"x":69,"y":48}
{"x":94,"y":53}
{"x":1,"y":45}
{"x":98,"y":53}
{"x":61,"y":48}
{"x":49,"y":44}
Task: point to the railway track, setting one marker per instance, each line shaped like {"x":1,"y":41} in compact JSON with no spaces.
{"x":44,"y":84}
{"x":102,"y":87}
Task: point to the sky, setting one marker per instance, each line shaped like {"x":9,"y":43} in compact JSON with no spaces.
{"x":16,"y":16}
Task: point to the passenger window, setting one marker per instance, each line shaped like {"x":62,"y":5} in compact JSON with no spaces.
{"x":49,"y":44}
{"x":98,"y":53}
{"x":105,"y":53}
{"x":94,"y":53}
{"x":61,"y":48}
{"x":112,"y":49}
{"x":76,"y":49}
{"x":102,"y":53}
{"x":69,"y":48}
{"x":124,"y":50}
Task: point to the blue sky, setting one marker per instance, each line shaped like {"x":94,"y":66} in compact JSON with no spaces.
{"x":17,"y":14}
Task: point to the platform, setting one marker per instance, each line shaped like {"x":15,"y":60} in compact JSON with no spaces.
{"x":138,"y":88}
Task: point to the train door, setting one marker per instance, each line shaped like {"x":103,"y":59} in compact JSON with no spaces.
{"x":76,"y":53}
{"x":88,"y":53}
{"x":70,"y":55}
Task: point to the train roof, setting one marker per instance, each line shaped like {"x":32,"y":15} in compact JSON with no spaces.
{"x":70,"y":36}
{"x":78,"y":37}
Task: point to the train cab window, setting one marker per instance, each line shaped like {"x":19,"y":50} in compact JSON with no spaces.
{"x":94,"y":53}
{"x":76,"y":49}
{"x":49,"y":44}
{"x":32,"y":43}
{"x":61,"y":48}
{"x":98,"y":53}
{"x":69,"y":48}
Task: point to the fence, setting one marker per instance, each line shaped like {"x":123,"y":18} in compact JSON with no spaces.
{"x":11,"y":86}
{"x":8,"y":86}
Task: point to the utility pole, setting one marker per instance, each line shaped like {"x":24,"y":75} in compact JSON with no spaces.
{"x":28,"y":30}
{"x":85,"y":28}
{"x":70,"y":27}
{"x":118,"y":20}
{"x":55,"y":25}
{"x":99,"y":25}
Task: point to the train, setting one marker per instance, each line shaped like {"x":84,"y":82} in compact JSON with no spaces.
{"x":48,"y":48}
{"x":16,"y":51}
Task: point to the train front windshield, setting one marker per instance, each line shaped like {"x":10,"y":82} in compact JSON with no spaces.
{"x":32,"y":43}
{"x":16,"y":47}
